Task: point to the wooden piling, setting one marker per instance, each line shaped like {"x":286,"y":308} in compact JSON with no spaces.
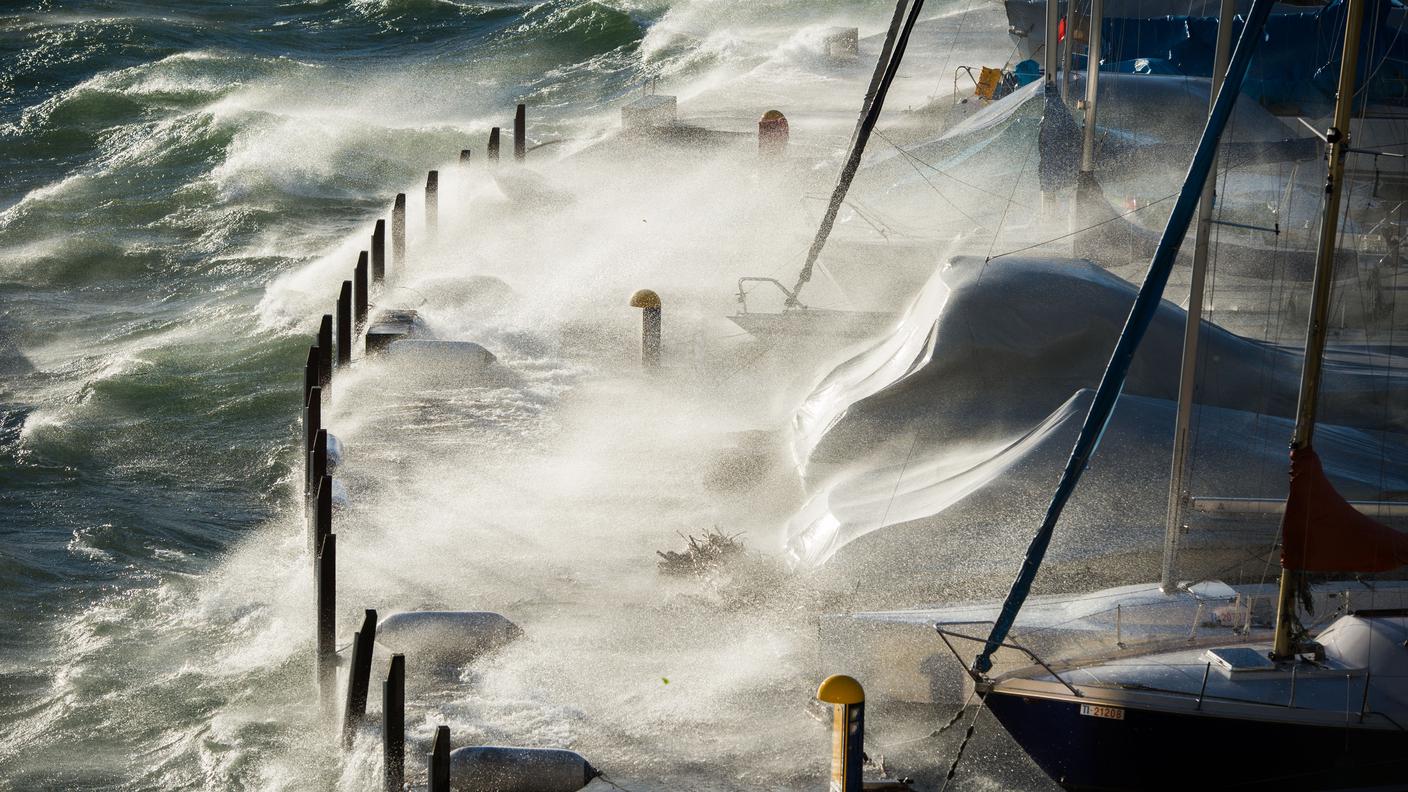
{"x":344,"y":324}
{"x":440,"y":761}
{"x":493,"y":152}
{"x":432,"y":203}
{"x":325,"y":584}
{"x":325,"y":352}
{"x":360,"y":301}
{"x":464,"y":157}
{"x":398,"y":232}
{"x":520,"y":133}
{"x":358,"y":678}
{"x":393,"y":724}
{"x":379,"y":252}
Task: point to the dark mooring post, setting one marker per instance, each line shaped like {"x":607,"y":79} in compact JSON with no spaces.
{"x":312,"y":417}
{"x":398,"y":232}
{"x":325,"y":351}
{"x":344,"y":324}
{"x":493,"y":146}
{"x":520,"y":133}
{"x":432,"y":202}
{"x":464,"y":157}
{"x":321,"y":525}
{"x":440,"y":760}
{"x":379,"y":252}
{"x":311,"y":373}
{"x":325,"y":584}
{"x":393,"y":724}
{"x":360,"y":303}
{"x":358,"y":678}
{"x":312,"y":424}
{"x":317,"y":463}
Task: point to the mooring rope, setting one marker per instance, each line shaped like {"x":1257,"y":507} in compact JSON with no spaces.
{"x":967,"y":736}
{"x":609,"y":782}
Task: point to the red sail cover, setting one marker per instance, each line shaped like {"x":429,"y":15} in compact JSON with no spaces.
{"x":1321,"y":532}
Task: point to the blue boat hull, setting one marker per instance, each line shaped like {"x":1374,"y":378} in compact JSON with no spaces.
{"x":1149,"y":750}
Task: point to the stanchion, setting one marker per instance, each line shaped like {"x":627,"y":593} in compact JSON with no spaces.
{"x":360,"y":298}
{"x":398,"y":233}
{"x":440,"y":761}
{"x":325,"y":351}
{"x":649,"y":303}
{"x":847,"y":731}
{"x":311,"y":373}
{"x":312,"y":417}
{"x":344,"y":324}
{"x":520,"y":133}
{"x":772,"y":134}
{"x":393,"y":724}
{"x":432,"y":203}
{"x":317,"y":465}
{"x":321,"y":525}
{"x":379,"y":252}
{"x":354,"y":709}
{"x":325,"y":584}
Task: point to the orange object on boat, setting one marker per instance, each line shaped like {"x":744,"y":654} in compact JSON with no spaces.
{"x":1322,"y":532}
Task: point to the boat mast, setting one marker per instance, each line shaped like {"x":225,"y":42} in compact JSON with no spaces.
{"x":1141,"y":315}
{"x":1336,"y":148}
{"x":1092,"y":86}
{"x":1177,"y":486}
{"x":875,"y":103}
{"x":1050,"y":59}
{"x":1050,"y":49}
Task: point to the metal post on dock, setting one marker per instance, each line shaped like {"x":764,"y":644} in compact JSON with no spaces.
{"x":493,"y":152}
{"x":312,"y":417}
{"x":311,"y":372}
{"x":344,"y":324}
{"x":358,"y":677}
{"x":772,"y":134}
{"x":360,"y":287}
{"x":432,"y":203}
{"x":325,"y":583}
{"x":649,"y":303}
{"x":847,"y":698}
{"x":520,"y":133}
{"x":322,"y":513}
{"x":325,"y":351}
{"x":393,"y":724}
{"x":379,"y":251}
{"x":317,"y":464}
{"x":440,"y":761}
{"x":398,"y":232}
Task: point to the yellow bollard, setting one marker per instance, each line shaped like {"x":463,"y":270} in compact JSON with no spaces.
{"x":649,"y":303}
{"x":847,"y":698}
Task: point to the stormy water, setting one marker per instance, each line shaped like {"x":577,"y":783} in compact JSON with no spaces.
{"x":184,"y":184}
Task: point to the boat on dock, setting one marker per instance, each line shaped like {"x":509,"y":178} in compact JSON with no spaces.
{"x":1305,"y":709}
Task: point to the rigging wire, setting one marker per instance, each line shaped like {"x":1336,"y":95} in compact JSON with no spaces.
{"x":1080,"y":230}
{"x":916,"y":158}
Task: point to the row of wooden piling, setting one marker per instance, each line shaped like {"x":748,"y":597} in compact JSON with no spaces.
{"x":332,"y":352}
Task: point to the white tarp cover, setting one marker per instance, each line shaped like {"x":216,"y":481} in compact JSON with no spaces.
{"x":950,"y":432}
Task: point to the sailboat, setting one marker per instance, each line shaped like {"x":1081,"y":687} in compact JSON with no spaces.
{"x":1293,"y":713}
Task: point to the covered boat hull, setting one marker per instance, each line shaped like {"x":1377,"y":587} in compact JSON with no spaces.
{"x":1103,"y":747}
